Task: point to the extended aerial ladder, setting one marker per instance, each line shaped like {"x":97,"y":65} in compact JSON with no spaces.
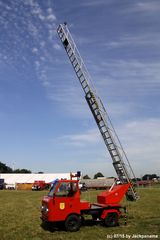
{"x":112,"y":142}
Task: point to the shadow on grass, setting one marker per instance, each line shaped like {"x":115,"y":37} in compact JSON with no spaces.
{"x":53,"y":227}
{"x":59,"y":226}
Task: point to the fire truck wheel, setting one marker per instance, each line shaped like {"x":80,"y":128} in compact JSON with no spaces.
{"x":111,"y":220}
{"x":72,"y":223}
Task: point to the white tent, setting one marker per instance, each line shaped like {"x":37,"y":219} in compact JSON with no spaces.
{"x":13,"y":178}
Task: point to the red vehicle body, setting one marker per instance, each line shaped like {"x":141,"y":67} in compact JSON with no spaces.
{"x":39,"y":185}
{"x":63,"y":204}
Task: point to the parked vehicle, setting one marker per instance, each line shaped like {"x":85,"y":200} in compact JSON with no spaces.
{"x":2,"y":184}
{"x":83,"y":187}
{"x":39,"y":185}
{"x":11,"y":186}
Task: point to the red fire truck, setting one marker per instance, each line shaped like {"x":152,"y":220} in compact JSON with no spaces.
{"x":63,"y":204}
{"x":39,"y":185}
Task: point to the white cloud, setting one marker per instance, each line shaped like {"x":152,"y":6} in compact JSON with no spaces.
{"x":140,"y":139}
{"x":34,"y":50}
{"x":51,"y":35}
{"x":56,"y":46}
{"x":118,"y":110}
{"x":131,"y":79}
{"x":145,"y":40}
{"x":92,"y":3}
{"x":91,"y":136}
{"x":141,"y":7}
{"x":147,"y":6}
{"x":70,"y":98}
{"x":37,"y":64}
{"x":145,"y":131}
{"x":49,"y":10}
{"x":142,"y":77}
{"x":51,"y":17}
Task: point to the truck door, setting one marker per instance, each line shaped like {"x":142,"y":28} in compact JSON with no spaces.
{"x":66,"y":200}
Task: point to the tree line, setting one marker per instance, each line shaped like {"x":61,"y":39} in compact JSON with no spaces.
{"x":6,"y":169}
{"x":145,"y":177}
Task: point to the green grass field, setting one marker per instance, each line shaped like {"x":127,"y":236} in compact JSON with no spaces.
{"x":20,"y":218}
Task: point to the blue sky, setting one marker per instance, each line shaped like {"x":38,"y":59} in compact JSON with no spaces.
{"x":45,"y":123}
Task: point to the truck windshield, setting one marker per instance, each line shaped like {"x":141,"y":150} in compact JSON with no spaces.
{"x":52,"y":190}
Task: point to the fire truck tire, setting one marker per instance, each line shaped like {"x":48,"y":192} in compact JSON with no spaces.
{"x":111,"y":220}
{"x":72,"y":223}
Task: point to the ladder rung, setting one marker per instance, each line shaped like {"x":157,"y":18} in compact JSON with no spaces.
{"x":68,"y":50}
{"x":102,"y":127}
{"x":72,"y":59}
{"x":61,"y":36}
{"x":110,"y":143}
{"x":98,"y":115}
{"x":70,"y":55}
{"x":94,"y":100}
{"x":93,"y":103}
{"x":117,"y":162}
{"x":106,"y":138}
{"x":60,"y":32}
{"x":122,"y":175}
{"x":90,"y":97}
{"x":78,"y":70}
{"x":116,"y":155}
{"x":85,"y":85}
{"x":94,"y":109}
{"x":113,"y":149}
{"x":76,"y":65}
{"x":83,"y":80}
{"x":106,"y":132}
{"x":120,"y":168}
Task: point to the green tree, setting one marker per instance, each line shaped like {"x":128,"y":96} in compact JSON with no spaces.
{"x":4,"y":168}
{"x":86,"y":177}
{"x":97,"y":175}
{"x":23,"y":170}
{"x":149,"y":176}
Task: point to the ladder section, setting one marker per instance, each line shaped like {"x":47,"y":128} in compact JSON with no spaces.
{"x":119,"y":158}
{"x":121,"y":168}
{"x":74,"y":57}
{"x":107,"y":137}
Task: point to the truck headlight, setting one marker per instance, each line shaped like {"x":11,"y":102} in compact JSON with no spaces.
{"x":44,"y":209}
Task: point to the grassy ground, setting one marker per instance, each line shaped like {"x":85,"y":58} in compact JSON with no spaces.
{"x":20,"y":218}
